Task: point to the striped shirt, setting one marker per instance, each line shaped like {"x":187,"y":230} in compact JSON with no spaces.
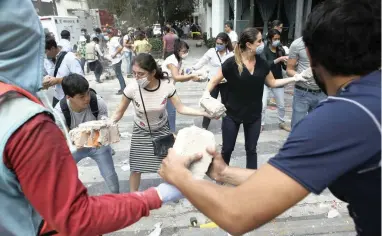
{"x":155,"y":102}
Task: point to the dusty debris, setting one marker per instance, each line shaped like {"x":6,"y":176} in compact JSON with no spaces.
{"x":192,"y":140}
{"x":157,"y":231}
{"x":95,"y":133}
{"x":125,"y":167}
{"x":333,"y":213}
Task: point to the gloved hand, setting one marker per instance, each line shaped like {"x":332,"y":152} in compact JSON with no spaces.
{"x":298,"y":77}
{"x":168,"y":193}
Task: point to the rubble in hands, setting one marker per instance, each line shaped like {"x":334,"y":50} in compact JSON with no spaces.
{"x":307,"y":73}
{"x":95,"y":133}
{"x":192,"y":140}
{"x":212,"y":106}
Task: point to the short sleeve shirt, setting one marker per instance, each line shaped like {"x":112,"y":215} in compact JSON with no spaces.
{"x":338,"y":145}
{"x":244,"y":91}
{"x":113,"y":46}
{"x":170,"y":40}
{"x":170,"y":60}
{"x":297,"y":51}
{"x":233,"y":36}
{"x":78,"y":118}
{"x":155,"y":103}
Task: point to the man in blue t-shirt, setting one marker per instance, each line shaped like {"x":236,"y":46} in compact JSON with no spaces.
{"x":336,"y":146}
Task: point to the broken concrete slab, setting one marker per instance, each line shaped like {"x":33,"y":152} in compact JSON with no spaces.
{"x":212,"y":106}
{"x":95,"y":133}
{"x":192,"y":140}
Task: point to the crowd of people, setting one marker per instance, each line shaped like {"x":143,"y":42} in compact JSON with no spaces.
{"x":336,"y":122}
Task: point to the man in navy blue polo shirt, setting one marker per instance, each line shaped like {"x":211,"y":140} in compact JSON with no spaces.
{"x":336,"y":146}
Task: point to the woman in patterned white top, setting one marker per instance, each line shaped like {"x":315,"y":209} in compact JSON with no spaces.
{"x":156,"y":90}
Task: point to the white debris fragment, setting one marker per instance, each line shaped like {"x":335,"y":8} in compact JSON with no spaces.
{"x":333,"y":213}
{"x":95,"y":133}
{"x":157,"y":231}
{"x":192,"y":140}
{"x":125,"y":167}
{"x":307,"y":73}
{"x":212,"y":106}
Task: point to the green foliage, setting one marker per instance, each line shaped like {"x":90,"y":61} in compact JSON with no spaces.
{"x":157,"y":44}
{"x":211,"y":43}
{"x":205,"y":37}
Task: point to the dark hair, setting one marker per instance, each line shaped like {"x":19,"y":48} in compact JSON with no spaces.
{"x":96,"y":39}
{"x":229,"y":24}
{"x":98,"y":30}
{"x":225,"y":38}
{"x":178,"y":46}
{"x":344,"y":36}
{"x":84,"y":30}
{"x":148,"y":63}
{"x":65,"y":34}
{"x":249,"y":35}
{"x":140,"y":35}
{"x":271,"y":33}
{"x":276,"y":23}
{"x":50,"y":43}
{"x":74,"y":84}
{"x":167,"y":29}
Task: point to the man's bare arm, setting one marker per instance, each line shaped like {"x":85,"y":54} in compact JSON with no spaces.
{"x":291,"y":67}
{"x":235,"y":176}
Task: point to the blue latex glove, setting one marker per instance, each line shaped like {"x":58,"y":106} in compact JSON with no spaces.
{"x":168,"y":193}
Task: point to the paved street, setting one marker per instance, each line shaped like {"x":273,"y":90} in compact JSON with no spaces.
{"x":309,"y":217}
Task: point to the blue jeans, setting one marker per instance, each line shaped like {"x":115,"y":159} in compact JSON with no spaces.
{"x":129,"y":62}
{"x":171,"y":111}
{"x":118,"y":73}
{"x":303,"y":103}
{"x":279,"y":96}
{"x":102,"y":156}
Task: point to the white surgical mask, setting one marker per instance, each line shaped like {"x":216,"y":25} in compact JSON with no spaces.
{"x":106,"y":38}
{"x":143,"y":82}
{"x":184,"y":56}
{"x":44,"y":98}
{"x":260,"y":49}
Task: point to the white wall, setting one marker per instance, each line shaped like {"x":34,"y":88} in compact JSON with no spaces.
{"x":208,"y":21}
{"x":63,"y":5}
{"x":218,"y":16}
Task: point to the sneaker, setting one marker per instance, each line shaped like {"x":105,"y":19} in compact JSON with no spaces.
{"x":285,"y":127}
{"x":99,"y":81}
{"x":120,"y":92}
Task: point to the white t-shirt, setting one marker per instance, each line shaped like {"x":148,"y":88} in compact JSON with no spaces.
{"x":113,"y":46}
{"x":155,"y":103}
{"x":65,"y":45}
{"x":233,"y":36}
{"x":171,"y":60}
{"x":214,"y":59}
{"x":70,"y":65}
{"x":126,"y":38}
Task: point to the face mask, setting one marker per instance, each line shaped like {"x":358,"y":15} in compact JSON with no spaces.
{"x":220,"y":48}
{"x":260,"y":49}
{"x":44,"y":98}
{"x":276,"y":43}
{"x":184,"y":56}
{"x":106,"y":38}
{"x":143,"y":82}
{"x":319,"y":83}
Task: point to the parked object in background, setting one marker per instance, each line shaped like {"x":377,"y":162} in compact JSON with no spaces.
{"x":192,"y":140}
{"x":157,"y":32}
{"x":95,"y":133}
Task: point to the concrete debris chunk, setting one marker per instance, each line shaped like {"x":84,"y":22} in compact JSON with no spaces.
{"x":157,"y":231}
{"x":307,"y":73}
{"x":192,"y":140}
{"x":212,"y":106}
{"x":333,"y":213}
{"x":95,"y":133}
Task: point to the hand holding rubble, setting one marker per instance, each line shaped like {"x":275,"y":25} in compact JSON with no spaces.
{"x":298,"y":77}
{"x":175,"y":166}
{"x":218,"y":166}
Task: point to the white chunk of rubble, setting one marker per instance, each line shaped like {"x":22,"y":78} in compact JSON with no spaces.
{"x":212,"y":106}
{"x":95,"y":133}
{"x":157,"y":231}
{"x":192,"y":140}
{"x":333,"y":213}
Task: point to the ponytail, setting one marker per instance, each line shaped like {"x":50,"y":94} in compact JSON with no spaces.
{"x":159,"y":74}
{"x":238,"y":59}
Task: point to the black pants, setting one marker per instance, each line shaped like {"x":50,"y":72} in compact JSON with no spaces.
{"x":215,"y":93}
{"x":230,"y":130}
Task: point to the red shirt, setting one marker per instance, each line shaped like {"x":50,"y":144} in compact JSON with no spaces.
{"x":38,"y":154}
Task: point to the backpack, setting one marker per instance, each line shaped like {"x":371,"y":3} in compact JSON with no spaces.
{"x":58,"y":62}
{"x":93,"y":107}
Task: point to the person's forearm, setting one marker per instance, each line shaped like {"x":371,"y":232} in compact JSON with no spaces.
{"x":211,"y":85}
{"x":184,"y":110}
{"x":291,"y":72}
{"x":182,"y":78}
{"x":58,"y":80}
{"x":118,"y":51}
{"x":234,"y":175}
{"x":281,"y":82}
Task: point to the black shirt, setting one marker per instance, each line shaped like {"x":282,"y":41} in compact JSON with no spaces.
{"x":243,"y":96}
{"x":275,"y":68}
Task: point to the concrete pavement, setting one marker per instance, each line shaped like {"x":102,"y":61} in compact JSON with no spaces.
{"x":309,"y":217}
